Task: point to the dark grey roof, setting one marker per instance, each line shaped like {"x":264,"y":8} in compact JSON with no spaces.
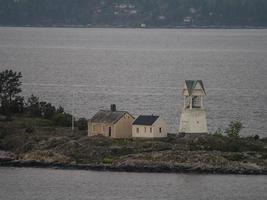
{"x":146,"y":120}
{"x":107,"y":116}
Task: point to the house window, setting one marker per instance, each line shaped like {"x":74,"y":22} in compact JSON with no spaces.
{"x":94,"y":128}
{"x":196,"y":102}
{"x":160,"y":130}
{"x":137,"y":130}
{"x":145,"y":129}
{"x":150,"y":130}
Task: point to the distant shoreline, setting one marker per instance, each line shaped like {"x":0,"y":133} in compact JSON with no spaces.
{"x":133,"y":27}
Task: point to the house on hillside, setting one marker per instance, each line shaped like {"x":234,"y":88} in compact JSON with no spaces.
{"x":111,"y":123}
{"x":149,"y":126}
{"x":188,"y":20}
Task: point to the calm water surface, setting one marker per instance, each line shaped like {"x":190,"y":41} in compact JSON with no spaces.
{"x":48,"y":184}
{"x":142,"y":70}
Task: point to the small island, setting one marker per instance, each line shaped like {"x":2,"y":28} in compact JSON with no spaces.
{"x":46,"y":145}
{"x":34,"y":133}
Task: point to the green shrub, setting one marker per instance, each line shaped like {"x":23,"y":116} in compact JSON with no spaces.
{"x":47,"y":110}
{"x":36,"y":108}
{"x":25,"y":122}
{"x":234,"y":129}
{"x":29,"y":130}
{"x":82,"y":124}
{"x":219,"y":132}
{"x":264,"y":156}
{"x":62,"y":119}
{"x":3,"y":132}
{"x":120,"y":141}
{"x":107,"y":160}
{"x":256,"y":137}
{"x":27,"y":147}
{"x":235,"y":157}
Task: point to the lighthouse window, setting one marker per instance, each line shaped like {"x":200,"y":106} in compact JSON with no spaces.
{"x":196,"y":102}
{"x":160,"y":130}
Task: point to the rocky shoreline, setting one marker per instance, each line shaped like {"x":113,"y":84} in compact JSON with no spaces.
{"x":6,"y":156}
{"x":7,"y":159}
{"x":60,"y":148}
{"x":194,"y":169}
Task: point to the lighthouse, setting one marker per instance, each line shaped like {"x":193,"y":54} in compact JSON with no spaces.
{"x":193,"y":117}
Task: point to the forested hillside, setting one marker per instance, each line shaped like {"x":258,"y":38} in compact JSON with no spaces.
{"x":134,"y":13}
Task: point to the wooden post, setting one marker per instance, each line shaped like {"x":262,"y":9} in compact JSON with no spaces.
{"x":73,"y":119}
{"x":191,"y":102}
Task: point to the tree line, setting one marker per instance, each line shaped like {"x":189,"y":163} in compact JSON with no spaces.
{"x":13,"y":104}
{"x":134,"y":12}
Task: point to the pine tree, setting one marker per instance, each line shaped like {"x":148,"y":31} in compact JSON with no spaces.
{"x":9,"y":89}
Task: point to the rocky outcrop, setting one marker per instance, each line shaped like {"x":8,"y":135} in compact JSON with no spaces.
{"x":6,"y":156}
{"x":61,"y":148}
{"x":166,"y":161}
{"x":191,"y":161}
{"x":45,"y":156}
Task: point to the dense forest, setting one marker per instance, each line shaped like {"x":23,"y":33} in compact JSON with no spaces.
{"x":133,"y":13}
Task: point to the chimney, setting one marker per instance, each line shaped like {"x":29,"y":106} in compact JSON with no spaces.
{"x":113,"y":107}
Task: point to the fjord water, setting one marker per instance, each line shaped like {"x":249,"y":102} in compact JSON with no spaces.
{"x":142,"y":70}
{"x":49,"y":184}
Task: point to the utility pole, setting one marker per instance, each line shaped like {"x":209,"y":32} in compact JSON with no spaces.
{"x":73,"y":118}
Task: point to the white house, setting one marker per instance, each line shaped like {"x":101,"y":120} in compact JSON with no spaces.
{"x":193,"y":117}
{"x":188,"y":20}
{"x":149,"y":126}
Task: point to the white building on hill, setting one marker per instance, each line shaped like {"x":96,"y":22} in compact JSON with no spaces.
{"x":149,"y":126}
{"x":193,"y":117}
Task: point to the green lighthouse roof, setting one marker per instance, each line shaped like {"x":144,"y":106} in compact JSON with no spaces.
{"x":191,"y":84}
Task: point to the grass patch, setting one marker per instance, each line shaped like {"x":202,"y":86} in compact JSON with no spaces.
{"x":107,"y":161}
{"x":123,"y":141}
{"x":32,"y":122}
{"x":264,"y":156}
{"x":235,"y":157}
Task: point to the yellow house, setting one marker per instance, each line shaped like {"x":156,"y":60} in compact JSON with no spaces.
{"x":111,"y":123}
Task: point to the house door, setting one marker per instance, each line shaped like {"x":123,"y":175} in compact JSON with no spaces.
{"x":109,"y":131}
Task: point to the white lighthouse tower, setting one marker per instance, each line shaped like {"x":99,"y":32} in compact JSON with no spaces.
{"x":193,"y":117}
